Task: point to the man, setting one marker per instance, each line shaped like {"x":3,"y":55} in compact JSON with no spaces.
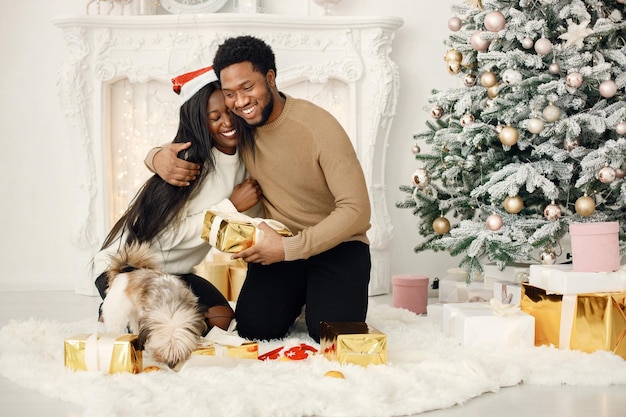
{"x":313,"y":183}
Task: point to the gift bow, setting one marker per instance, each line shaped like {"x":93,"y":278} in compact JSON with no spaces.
{"x":501,"y":309}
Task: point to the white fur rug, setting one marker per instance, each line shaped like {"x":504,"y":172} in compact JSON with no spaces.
{"x":425,"y":371}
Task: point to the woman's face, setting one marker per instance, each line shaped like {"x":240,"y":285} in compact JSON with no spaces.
{"x":220,"y":126}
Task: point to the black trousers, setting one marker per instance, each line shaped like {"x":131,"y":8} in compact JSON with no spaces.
{"x":333,"y":285}
{"x":208,"y":295}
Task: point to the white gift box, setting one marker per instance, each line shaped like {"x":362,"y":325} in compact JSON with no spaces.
{"x":453,"y":288}
{"x":479,"y":324}
{"x":507,"y":292}
{"x":514,"y":273}
{"x":435,"y":312}
{"x":561,"y":279}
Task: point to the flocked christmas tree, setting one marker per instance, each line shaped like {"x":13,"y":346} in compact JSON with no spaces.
{"x":532,"y":140}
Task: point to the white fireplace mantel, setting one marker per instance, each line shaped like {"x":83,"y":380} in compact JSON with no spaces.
{"x":349,"y":54}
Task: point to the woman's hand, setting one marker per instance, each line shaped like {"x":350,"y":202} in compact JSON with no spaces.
{"x":171,"y":168}
{"x":246,"y":194}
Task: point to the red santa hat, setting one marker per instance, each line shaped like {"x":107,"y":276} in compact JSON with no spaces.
{"x":186,"y":85}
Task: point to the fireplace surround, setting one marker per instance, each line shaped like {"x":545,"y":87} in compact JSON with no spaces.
{"x":114,"y":89}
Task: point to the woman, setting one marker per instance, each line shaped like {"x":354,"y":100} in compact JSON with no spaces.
{"x":170,"y":218}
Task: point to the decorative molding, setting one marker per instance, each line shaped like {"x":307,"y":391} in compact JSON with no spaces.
{"x":341,"y":63}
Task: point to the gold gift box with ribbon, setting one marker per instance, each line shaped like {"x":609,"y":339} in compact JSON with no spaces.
{"x":248,"y":350}
{"x":111,"y":353}
{"x":234,"y":232}
{"x":353,"y":342}
{"x":585,"y":322}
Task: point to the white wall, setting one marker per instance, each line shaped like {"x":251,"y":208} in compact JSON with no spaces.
{"x":36,"y":160}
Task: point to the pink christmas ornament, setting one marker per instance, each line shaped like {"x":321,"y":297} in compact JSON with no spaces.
{"x":608,"y":88}
{"x":554,"y":68}
{"x":527,"y":43}
{"x":543,"y":46}
{"x":478,"y":43}
{"x":494,"y":222}
{"x":620,"y":128}
{"x":494,"y":21}
{"x":415,"y":149}
{"x":552,"y":211}
{"x":606,"y":175}
{"x":454,"y":24}
{"x":574,"y":79}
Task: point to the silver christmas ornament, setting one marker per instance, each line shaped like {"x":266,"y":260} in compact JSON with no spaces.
{"x":511,"y":76}
{"x":548,"y":258}
{"x":552,"y":211}
{"x":436,"y":112}
{"x":606,"y":175}
{"x":421,"y":178}
{"x":535,"y":125}
{"x":469,"y":80}
{"x":570,"y":144}
{"x":551,"y":113}
{"x":574,"y":79}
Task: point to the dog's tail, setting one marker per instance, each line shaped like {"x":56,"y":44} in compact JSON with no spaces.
{"x":131,"y":257}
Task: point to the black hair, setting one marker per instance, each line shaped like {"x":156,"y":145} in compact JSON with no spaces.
{"x":157,"y":204}
{"x":244,"y":49}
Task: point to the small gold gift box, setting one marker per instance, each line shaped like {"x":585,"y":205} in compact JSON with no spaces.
{"x":227,"y":276}
{"x":585,"y":322}
{"x":353,"y":342}
{"x":111,"y":353}
{"x":248,"y":350}
{"x":234,"y":232}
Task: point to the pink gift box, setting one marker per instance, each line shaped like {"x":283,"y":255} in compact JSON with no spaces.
{"x":410,"y":292}
{"x":595,"y":246}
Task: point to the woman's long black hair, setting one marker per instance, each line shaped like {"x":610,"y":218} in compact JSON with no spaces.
{"x":157,"y":204}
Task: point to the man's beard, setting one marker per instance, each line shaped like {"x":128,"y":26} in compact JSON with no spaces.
{"x":267,"y":110}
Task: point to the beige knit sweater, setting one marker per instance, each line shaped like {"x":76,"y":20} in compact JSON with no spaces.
{"x":311,"y":179}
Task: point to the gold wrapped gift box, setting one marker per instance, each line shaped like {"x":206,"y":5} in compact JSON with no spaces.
{"x":248,"y":350}
{"x":585,"y":322}
{"x":122,"y":351}
{"x":234,"y":232}
{"x":353,"y":342}
{"x":225,"y":274}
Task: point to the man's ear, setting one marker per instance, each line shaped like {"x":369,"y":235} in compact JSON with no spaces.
{"x":271,"y":78}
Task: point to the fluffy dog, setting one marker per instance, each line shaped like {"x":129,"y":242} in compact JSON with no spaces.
{"x":158,"y":307}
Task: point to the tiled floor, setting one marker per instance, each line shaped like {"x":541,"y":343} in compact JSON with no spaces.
{"x":519,"y":401}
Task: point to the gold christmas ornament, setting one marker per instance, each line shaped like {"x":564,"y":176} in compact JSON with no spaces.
{"x":488,"y":79}
{"x":492,"y":92}
{"x":513,"y":204}
{"x":453,"y":56}
{"x":441,"y":225}
{"x":552,"y":212}
{"x":508,"y":136}
{"x":585,"y":206}
{"x":421,"y":178}
{"x":551,"y":113}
